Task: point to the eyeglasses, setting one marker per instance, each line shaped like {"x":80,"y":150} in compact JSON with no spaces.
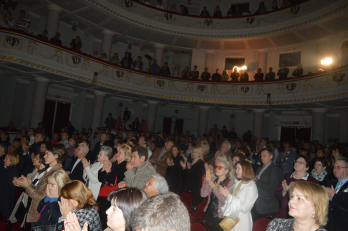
{"x":300,"y":162}
{"x":338,"y":167}
{"x":218,"y":167}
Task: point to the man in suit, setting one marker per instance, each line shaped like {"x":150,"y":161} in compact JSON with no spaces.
{"x":268,"y":178}
{"x":159,"y":158}
{"x":286,"y":159}
{"x":154,"y":68}
{"x":283,"y":71}
{"x":97,"y":146}
{"x":338,"y":196}
{"x":270,"y":75}
{"x":75,"y":169}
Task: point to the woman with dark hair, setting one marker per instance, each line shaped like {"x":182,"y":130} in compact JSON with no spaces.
{"x":77,"y":198}
{"x":320,"y":172}
{"x":43,"y":146}
{"x":76,"y":43}
{"x":174,"y":170}
{"x":184,"y":10}
{"x":124,"y":202}
{"x":300,"y":174}
{"x":54,"y":157}
{"x":127,"y":60}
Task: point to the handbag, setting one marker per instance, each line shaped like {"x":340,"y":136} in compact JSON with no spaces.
{"x":46,"y":227}
{"x":105,"y":190}
{"x":228,"y":223}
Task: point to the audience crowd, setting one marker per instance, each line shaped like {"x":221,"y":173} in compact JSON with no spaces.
{"x":71,"y":179}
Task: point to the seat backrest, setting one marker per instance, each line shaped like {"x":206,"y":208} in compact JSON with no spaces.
{"x":199,"y":226}
{"x":261,"y":224}
{"x":187,"y":199}
{"x":199,"y":212}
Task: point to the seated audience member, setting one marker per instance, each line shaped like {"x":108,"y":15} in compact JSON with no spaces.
{"x":259,"y":75}
{"x":308,"y":206}
{"x":76,"y":43}
{"x":160,"y":5}
{"x":235,"y":74}
{"x":224,"y":76}
{"x":143,"y":143}
{"x":127,"y":60}
{"x":65,"y":139}
{"x":256,"y":157}
{"x":25,"y":162}
{"x":102,"y":142}
{"x":138,"y":64}
{"x":205,"y":12}
{"x":225,"y":149}
{"x":22,"y":22}
{"x":114,"y":59}
{"x":75,"y":169}
{"x":173,"y":8}
{"x":49,"y":212}
{"x":205,"y":75}
{"x":298,"y":71}
{"x":142,"y":127}
{"x":300,"y":174}
{"x":185,"y":73}
{"x":274,"y":5}
{"x":154,"y":68}
{"x":270,"y":75}
{"x":338,"y":197}
{"x":262,"y":8}
{"x":184,"y":10}
{"x":123,"y":204}
{"x":139,"y":169}
{"x":5,"y":139}
{"x":283,"y":72}
{"x":156,"y":185}
{"x":217,"y":12}
{"x":174,"y":170}
{"x":109,"y":121}
{"x":7,"y":21}
{"x":103,"y":57}
{"x":244,"y":76}
{"x":77,"y":198}
{"x":159,"y":158}
{"x":176,"y":71}
{"x":163,"y":212}
{"x":195,"y":73}
{"x":241,"y":198}
{"x":268,"y":178}
{"x":56,"y":39}
{"x":110,"y":171}
{"x":8,"y":171}
{"x":165,"y":70}
{"x":43,"y":35}
{"x":21,"y":208}
{"x":216,"y":76}
{"x":70,"y":151}
{"x":286,"y":159}
{"x":38,"y":139}
{"x":193,"y":172}
{"x":223,"y":177}
{"x":319,"y":172}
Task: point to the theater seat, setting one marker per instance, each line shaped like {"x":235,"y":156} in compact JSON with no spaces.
{"x":187,"y":199}
{"x":199,"y":212}
{"x":261,"y":224}
{"x":199,"y":226}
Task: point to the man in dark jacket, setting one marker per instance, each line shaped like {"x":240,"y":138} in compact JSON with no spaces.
{"x":75,"y":169}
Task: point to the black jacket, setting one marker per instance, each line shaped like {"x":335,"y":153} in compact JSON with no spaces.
{"x":77,"y":173}
{"x":7,"y":189}
{"x":194,"y":180}
{"x":117,"y":170}
{"x":173,"y":174}
{"x":50,"y":207}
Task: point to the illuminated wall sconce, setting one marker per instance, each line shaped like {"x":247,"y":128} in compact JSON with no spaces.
{"x":326,"y":62}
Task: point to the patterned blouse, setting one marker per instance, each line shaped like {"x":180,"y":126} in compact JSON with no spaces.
{"x":279,"y":224}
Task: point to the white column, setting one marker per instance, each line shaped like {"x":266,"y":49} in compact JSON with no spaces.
{"x":258,"y":122}
{"x":97,"y":109}
{"x":203,"y":120}
{"x":151,"y":115}
{"x":159,"y":53}
{"x":209,"y":61}
{"x":39,"y":101}
{"x":52,"y":21}
{"x":262,"y":59}
{"x":318,"y":124}
{"x":107,"y":43}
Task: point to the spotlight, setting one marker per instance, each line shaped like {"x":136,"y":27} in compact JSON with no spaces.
{"x":327,"y":61}
{"x":244,"y":67}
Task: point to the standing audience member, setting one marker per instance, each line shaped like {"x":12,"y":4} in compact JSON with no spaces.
{"x":165,"y":70}
{"x":138,"y":64}
{"x":160,"y":156}
{"x":109,"y":121}
{"x":185,"y":73}
{"x":43,"y":35}
{"x":241,"y":198}
{"x":224,"y":76}
{"x":274,"y":5}
{"x":298,"y":71}
{"x":195,"y":73}
{"x":216,"y":76}
{"x":205,"y":75}
{"x":173,"y":8}
{"x":286,"y":159}
{"x":176,"y":71}
{"x":235,"y":74}
{"x":283,"y":71}
{"x":205,"y":12}
{"x":259,"y":75}
{"x":142,"y":127}
{"x":7,"y":21}
{"x":184,"y":10}
{"x":22,"y":22}
{"x":174,"y":170}
{"x":135,"y":124}
{"x":154,"y":68}
{"x":114,"y":59}
{"x":56,"y":39}
{"x":160,"y":5}
{"x":127,"y":60}
{"x":103,"y":57}
{"x":217,"y":12}
{"x":262,"y":8}
{"x":76,"y":43}
{"x":308,"y":206}
{"x":270,"y":75}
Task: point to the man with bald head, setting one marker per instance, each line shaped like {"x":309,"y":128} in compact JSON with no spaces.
{"x":75,"y":169}
{"x":159,"y":158}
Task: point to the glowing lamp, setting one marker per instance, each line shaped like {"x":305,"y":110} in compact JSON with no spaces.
{"x":244,"y":67}
{"x":327,"y":61}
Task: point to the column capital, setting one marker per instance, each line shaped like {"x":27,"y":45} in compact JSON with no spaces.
{"x":320,"y":110}
{"x":209,"y":51}
{"x":108,"y":32}
{"x":159,"y":45}
{"x":54,"y":7}
{"x":42,"y":79}
{"x":99,"y":93}
{"x":204,"y":107}
{"x":259,"y":110}
{"x":152,"y":102}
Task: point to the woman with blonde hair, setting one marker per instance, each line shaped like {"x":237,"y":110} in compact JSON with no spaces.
{"x":77,"y":198}
{"x":308,"y":205}
{"x":112,"y":172}
{"x":193,"y":172}
{"x":223,"y":177}
{"x":49,"y":207}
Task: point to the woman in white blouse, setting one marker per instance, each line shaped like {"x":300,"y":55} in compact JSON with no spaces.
{"x":241,"y":199}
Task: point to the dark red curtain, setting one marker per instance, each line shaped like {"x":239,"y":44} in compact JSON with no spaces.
{"x":179,"y":124}
{"x":62,"y":116}
{"x":48,"y":116}
{"x":167,"y":125}
{"x":303,"y":134}
{"x":287,"y":134}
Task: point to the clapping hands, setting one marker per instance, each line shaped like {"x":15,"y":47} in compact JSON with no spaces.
{"x":72,"y":223}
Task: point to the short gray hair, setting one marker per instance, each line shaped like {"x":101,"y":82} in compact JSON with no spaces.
{"x":227,"y":142}
{"x":107,"y":151}
{"x":84,"y":147}
{"x":342,"y":158}
{"x":160,"y":184}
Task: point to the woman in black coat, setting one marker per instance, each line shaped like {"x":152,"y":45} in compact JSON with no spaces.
{"x":193,"y":172}
{"x":107,"y":175}
{"x":320,"y":172}
{"x":174,"y":170}
{"x":8,"y":170}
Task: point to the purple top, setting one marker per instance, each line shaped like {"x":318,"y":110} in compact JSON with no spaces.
{"x":289,"y":177}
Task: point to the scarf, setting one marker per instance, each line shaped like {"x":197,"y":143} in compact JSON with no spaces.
{"x":236,"y":189}
{"x":319,"y":177}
